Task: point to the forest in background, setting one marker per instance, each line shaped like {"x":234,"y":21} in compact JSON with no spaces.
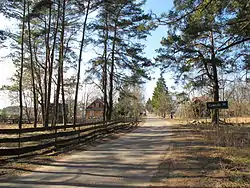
{"x":206,"y":46}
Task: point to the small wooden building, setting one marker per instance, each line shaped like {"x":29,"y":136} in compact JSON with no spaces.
{"x":95,"y":110}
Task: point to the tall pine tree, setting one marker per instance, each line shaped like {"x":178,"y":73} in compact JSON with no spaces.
{"x":201,"y":44}
{"x":160,"y":99}
{"x":121,"y":27}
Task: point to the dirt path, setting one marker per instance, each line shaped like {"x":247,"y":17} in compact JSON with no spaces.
{"x":130,"y":161}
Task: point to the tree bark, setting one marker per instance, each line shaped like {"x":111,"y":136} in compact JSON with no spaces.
{"x":215,"y":114}
{"x":21,"y":71}
{"x":60,"y":66}
{"x":79,"y":64}
{"x":111,"y":75}
{"x":26,"y":108}
{"x":61,"y":61}
{"x":63,"y":100}
{"x":105,"y":63}
{"x":39,"y":88}
{"x":32,"y":73}
{"x":47,"y":69}
{"x":47,"y":111}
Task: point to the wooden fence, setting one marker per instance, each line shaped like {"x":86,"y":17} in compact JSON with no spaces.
{"x":27,"y":140}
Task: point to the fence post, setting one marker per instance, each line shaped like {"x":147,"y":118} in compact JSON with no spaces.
{"x":55,"y":137}
{"x":79,"y":133}
{"x":19,"y":141}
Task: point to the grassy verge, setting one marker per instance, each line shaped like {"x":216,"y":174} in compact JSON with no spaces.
{"x":205,"y":156}
{"x":233,"y":144}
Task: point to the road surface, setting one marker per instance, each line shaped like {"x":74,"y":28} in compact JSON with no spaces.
{"x":129,"y":161}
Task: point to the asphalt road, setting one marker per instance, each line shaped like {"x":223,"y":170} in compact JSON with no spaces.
{"x":129,"y":161}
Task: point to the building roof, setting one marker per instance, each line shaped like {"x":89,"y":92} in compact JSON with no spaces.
{"x":202,"y":98}
{"x":92,"y":106}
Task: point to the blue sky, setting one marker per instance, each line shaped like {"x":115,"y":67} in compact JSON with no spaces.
{"x":153,"y":43}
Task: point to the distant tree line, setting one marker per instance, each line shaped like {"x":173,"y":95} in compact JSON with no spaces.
{"x":207,"y":47}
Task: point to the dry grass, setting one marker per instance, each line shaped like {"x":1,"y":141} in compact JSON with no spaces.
{"x":206,"y":156}
{"x":232,"y":143}
{"x":231,"y":120}
{"x":35,"y":133}
{"x":244,"y":120}
{"x":191,"y":161}
{"x":15,"y":126}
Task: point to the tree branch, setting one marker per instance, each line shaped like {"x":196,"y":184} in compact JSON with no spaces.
{"x":234,"y":44}
{"x":199,"y":7}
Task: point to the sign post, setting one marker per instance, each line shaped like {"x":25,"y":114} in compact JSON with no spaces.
{"x":217,"y":105}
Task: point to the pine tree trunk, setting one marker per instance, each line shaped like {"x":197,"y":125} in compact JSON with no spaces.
{"x":47,"y":70}
{"x":21,"y":71}
{"x":111,"y":75}
{"x":38,"y":76}
{"x":215,"y":114}
{"x":61,"y":60}
{"x":26,"y":108}
{"x":60,"y":66}
{"x":48,"y":107}
{"x":57,"y":93}
{"x":79,"y":63}
{"x":105,"y":64}
{"x":63,"y":100}
{"x":41,"y":95}
{"x":32,"y":74}
{"x":47,"y":111}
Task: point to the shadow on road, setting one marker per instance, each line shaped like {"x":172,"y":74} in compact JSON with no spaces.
{"x":138,"y":159}
{"x":129,"y":161}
